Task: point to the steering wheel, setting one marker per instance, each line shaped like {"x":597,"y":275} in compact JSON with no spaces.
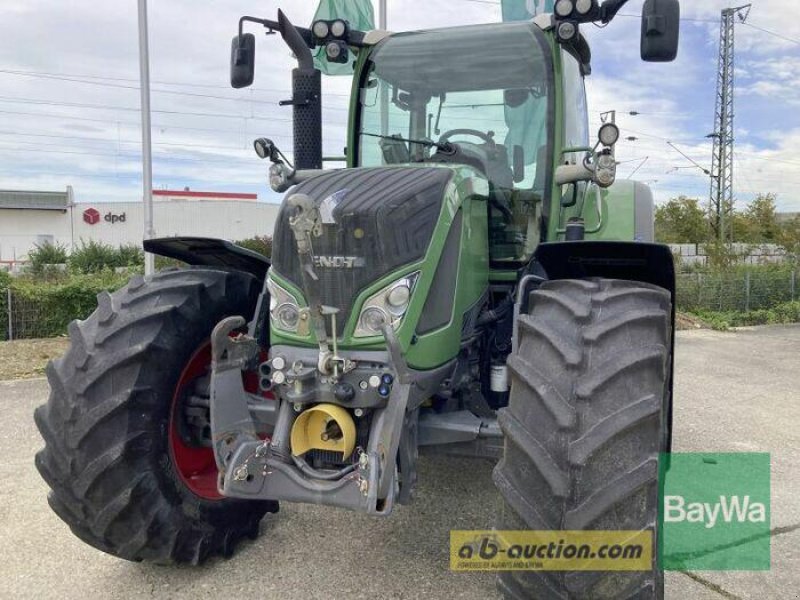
{"x":498,"y":198}
{"x":473,"y":132}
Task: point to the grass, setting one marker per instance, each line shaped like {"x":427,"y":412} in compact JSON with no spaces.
{"x":22,"y":359}
{"x":787,"y":312}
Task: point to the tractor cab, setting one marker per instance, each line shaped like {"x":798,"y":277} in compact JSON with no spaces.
{"x":475,"y":96}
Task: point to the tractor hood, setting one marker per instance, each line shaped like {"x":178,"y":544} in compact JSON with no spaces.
{"x":375,"y":220}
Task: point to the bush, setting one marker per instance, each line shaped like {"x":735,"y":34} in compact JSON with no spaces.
{"x":93,"y":257}
{"x":261,"y":244}
{"x":162,"y":262}
{"x":5,"y":283}
{"x":44,"y":309}
{"x":130,"y":255}
{"x":43,"y":256}
{"x":788,"y":312}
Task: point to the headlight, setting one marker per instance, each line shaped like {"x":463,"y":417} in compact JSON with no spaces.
{"x":387,"y":306}
{"x":372,"y":319}
{"x":287,"y":315}
{"x":321,"y":29}
{"x":338,"y":28}
{"x":564,"y":8}
{"x":283,"y":308}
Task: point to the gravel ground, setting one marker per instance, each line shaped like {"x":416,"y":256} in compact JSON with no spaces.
{"x":734,"y":392}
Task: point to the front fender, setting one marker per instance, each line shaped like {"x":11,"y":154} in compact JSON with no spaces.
{"x":210,"y":252}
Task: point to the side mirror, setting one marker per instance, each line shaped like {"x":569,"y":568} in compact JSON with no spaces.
{"x":661,"y":23}
{"x":243,"y":60}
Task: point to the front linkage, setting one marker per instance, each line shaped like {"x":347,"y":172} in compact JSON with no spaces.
{"x":272,"y":468}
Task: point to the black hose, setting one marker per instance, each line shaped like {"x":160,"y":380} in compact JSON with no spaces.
{"x":324,"y":475}
{"x":494,"y":315}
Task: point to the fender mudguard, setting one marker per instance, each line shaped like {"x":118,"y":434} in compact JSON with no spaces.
{"x":210,"y":252}
{"x":630,"y":261}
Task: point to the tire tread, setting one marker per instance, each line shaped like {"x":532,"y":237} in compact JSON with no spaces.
{"x":593,"y":355}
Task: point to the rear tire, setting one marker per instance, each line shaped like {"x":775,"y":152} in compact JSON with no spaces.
{"x":106,"y":426}
{"x":584,"y":427}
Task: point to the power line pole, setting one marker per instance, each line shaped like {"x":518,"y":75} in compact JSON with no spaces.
{"x":147,"y":146}
{"x":722,"y":159}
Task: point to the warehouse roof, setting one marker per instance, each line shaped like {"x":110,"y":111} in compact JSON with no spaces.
{"x":33,"y":200}
{"x":204,"y":195}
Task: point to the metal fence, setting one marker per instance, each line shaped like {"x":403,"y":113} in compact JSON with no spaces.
{"x":22,"y":317}
{"x":25,"y":316}
{"x":740,"y":290}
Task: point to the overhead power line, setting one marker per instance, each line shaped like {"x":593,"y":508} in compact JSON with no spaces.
{"x":134,"y":87}
{"x":128,"y":141}
{"x":18,"y":100}
{"x":772,"y":33}
{"x":690,"y":159}
{"x":82,"y":79}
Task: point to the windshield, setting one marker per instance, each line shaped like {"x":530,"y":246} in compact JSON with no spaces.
{"x":485,"y":88}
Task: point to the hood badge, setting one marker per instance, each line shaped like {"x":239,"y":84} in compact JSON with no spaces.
{"x":327,"y":206}
{"x":338,"y":262}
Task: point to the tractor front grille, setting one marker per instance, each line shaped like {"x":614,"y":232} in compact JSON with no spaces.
{"x":384,"y":218}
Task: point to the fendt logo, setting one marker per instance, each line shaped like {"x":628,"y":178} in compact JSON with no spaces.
{"x":338,"y":262}
{"x":91,"y":216}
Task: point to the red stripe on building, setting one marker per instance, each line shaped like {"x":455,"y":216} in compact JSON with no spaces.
{"x":217,"y":195}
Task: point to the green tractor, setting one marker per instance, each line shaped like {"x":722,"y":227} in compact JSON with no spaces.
{"x":474,"y":281}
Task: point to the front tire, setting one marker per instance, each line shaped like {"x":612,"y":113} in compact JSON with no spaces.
{"x":110,"y":453}
{"x":585,"y":425}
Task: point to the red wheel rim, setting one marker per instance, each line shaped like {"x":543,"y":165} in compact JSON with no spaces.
{"x":195,"y":464}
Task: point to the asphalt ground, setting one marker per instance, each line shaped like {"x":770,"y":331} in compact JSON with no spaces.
{"x":734,"y":392}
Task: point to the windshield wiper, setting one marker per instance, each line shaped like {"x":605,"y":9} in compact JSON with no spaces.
{"x":446,"y":147}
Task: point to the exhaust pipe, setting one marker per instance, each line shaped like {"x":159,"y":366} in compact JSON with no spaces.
{"x":306,"y":99}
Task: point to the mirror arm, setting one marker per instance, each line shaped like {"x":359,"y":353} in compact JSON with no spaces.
{"x":275,"y":27}
{"x":272,"y":26}
{"x":610,"y":8}
{"x":355,"y":38}
{"x":573,"y":173}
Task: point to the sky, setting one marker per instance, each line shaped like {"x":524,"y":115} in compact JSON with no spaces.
{"x":69,"y":98}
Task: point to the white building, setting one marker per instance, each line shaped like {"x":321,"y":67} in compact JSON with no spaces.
{"x":28,"y":218}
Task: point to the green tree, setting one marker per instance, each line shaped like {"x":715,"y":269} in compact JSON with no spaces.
{"x":682,"y":221}
{"x":760,"y":221}
{"x":789,"y":237}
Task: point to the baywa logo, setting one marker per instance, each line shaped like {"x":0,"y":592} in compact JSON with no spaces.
{"x":730,"y":509}
{"x":715,"y":512}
